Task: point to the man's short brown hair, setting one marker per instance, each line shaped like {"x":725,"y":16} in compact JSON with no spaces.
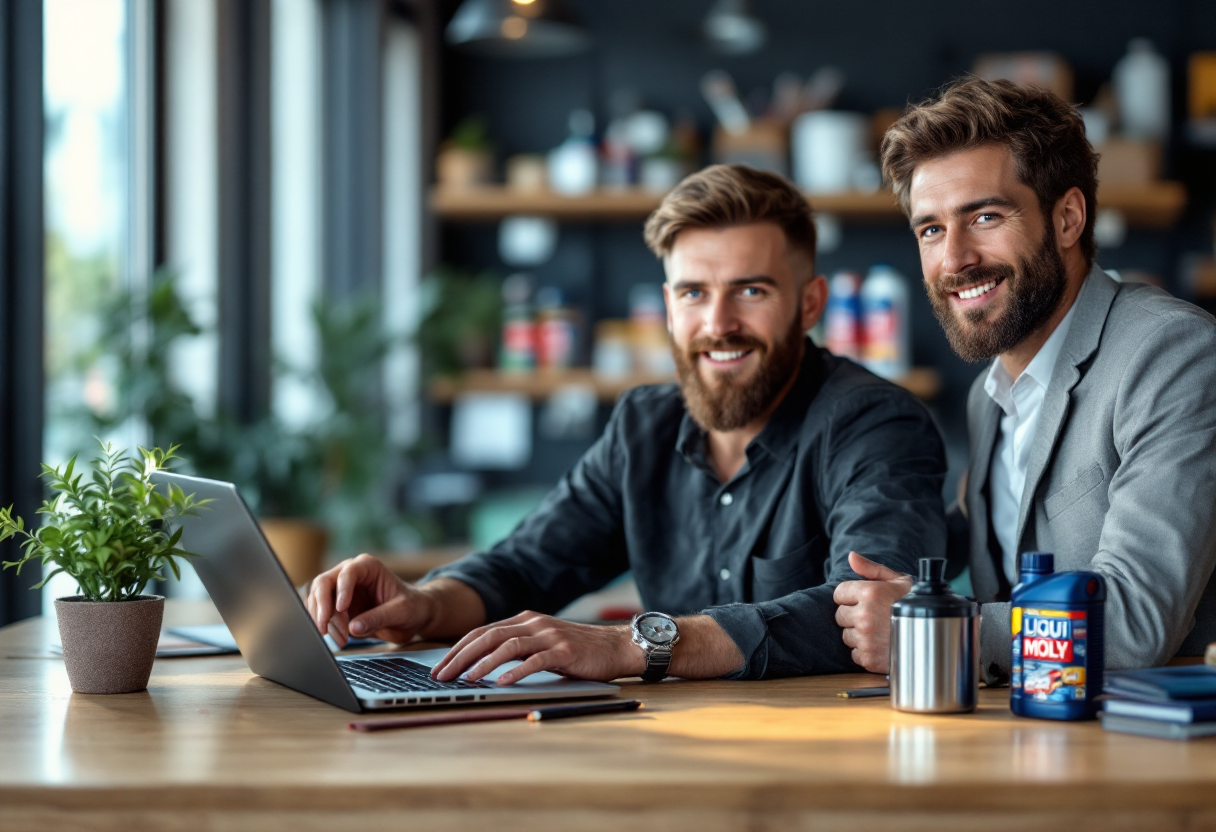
{"x":721,"y":196}
{"x":1045,"y":134}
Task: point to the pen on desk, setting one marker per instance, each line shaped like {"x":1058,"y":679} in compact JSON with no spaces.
{"x":862,"y":693}
{"x":493,"y":714}
{"x":563,"y":711}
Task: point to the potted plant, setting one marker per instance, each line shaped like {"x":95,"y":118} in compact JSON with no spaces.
{"x":461,"y":319}
{"x":112,"y":533}
{"x":466,"y":158}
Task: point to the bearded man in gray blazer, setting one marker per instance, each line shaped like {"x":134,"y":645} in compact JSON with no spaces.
{"x":1093,"y":429}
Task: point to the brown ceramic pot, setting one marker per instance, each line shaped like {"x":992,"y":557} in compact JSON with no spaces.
{"x":300,"y":545}
{"x":109,"y":646}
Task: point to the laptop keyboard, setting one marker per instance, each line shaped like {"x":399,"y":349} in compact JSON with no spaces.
{"x":399,"y":675}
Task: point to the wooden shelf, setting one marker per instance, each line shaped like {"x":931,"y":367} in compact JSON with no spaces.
{"x":924,"y":382}
{"x":539,"y":385}
{"x":491,"y":202}
{"x":1156,"y":205}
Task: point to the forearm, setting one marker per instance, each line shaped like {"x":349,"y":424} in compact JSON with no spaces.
{"x":456,"y":608}
{"x":705,"y":651}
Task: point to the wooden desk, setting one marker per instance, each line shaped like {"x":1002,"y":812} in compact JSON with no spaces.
{"x":210,"y":746}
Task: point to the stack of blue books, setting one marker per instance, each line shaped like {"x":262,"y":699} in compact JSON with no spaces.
{"x":1173,"y":702}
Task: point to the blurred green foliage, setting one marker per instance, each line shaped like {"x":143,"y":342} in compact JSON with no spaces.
{"x":335,"y":466}
{"x":461,"y":320}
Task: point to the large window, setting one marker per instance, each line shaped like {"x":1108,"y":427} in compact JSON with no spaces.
{"x":86,"y":192}
{"x":88,"y":223}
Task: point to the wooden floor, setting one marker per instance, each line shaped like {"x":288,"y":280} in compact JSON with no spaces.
{"x":210,"y":746}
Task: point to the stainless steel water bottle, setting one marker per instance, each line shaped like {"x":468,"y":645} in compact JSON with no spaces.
{"x":934,"y":646}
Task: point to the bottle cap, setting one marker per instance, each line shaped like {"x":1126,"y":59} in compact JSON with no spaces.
{"x":1038,"y":563}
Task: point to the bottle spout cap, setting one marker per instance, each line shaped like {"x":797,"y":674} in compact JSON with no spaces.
{"x":932,"y":597}
{"x":1038,"y":563}
{"x":931,"y":570}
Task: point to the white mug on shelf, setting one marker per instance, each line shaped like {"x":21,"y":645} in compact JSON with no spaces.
{"x":827,"y":147}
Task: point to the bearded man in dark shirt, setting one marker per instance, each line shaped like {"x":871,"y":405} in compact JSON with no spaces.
{"x":734,"y":496}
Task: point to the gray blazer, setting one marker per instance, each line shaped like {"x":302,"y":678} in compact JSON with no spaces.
{"x":1121,"y":479}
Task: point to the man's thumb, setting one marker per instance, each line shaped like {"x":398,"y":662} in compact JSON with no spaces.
{"x":872,"y":571}
{"x":368,"y":622}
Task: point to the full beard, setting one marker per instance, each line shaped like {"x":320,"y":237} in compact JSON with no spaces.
{"x":1033,"y":292}
{"x":730,"y":405}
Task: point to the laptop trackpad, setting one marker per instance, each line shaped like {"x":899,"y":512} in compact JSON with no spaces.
{"x":430,"y":658}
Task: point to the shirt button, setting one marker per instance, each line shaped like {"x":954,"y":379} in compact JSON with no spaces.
{"x":724,"y":574}
{"x":726,"y":499}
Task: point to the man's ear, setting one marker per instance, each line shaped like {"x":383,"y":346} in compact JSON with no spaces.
{"x":1068,"y":218}
{"x":814,"y":301}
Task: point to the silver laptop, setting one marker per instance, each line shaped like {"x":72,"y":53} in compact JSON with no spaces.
{"x":277,"y":637}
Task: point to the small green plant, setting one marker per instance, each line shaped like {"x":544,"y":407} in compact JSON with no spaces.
{"x":113,"y":533}
{"x":472,"y":133}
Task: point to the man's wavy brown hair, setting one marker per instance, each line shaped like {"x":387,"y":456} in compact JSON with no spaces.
{"x":1045,"y":134}
{"x":721,"y":196}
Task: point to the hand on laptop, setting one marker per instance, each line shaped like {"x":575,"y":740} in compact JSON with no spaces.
{"x":362,"y":597}
{"x":584,"y":651}
{"x":865,"y":611}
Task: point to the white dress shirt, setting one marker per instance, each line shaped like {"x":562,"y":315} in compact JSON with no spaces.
{"x":1020,"y":400}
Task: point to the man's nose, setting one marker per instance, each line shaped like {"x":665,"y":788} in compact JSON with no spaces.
{"x":721,"y":318}
{"x":958,"y":252}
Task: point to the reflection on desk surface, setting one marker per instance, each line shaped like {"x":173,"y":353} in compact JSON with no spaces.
{"x":234,"y":747}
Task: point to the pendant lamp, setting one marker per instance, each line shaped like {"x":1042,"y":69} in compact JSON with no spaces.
{"x":516,"y":29}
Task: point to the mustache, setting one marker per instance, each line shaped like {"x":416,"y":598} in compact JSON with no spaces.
{"x":730,"y":343}
{"x":950,"y":283}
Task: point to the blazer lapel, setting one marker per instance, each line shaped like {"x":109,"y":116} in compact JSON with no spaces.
{"x":985,"y":420}
{"x":1093,"y":305}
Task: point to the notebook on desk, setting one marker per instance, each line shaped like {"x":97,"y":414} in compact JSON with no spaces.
{"x":277,"y":637}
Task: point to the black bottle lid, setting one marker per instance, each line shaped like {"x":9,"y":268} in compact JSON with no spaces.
{"x":932,"y":597}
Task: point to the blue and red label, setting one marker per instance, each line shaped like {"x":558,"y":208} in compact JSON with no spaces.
{"x":1049,"y":654}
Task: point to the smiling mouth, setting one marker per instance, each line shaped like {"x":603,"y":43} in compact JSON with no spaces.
{"x":973,"y":292}
{"x":724,"y":355}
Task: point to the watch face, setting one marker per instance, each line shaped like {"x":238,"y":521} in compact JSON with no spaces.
{"x":656,"y":629}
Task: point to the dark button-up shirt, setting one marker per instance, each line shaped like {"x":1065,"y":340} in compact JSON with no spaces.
{"x":846,"y":462}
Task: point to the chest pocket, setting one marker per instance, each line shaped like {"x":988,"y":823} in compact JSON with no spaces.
{"x":789,"y":572}
{"x":1072,"y":493}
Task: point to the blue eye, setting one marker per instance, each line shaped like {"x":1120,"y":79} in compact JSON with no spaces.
{"x":930,"y":230}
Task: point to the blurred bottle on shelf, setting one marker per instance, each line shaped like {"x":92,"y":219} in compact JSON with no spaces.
{"x":612,"y":356}
{"x":885,"y":344}
{"x":557,"y":330}
{"x":518,"y":353}
{"x":648,"y":320}
{"x":1142,"y":88}
{"x":844,"y":315}
{"x":574,"y":164}
{"x":620,"y":157}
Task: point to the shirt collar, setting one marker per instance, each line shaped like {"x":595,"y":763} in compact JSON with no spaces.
{"x":998,"y":385}
{"x":780,"y":435}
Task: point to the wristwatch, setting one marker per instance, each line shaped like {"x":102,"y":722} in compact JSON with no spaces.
{"x":656,"y":634}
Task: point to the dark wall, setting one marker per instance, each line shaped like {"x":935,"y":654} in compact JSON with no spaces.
{"x":892,"y":53}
